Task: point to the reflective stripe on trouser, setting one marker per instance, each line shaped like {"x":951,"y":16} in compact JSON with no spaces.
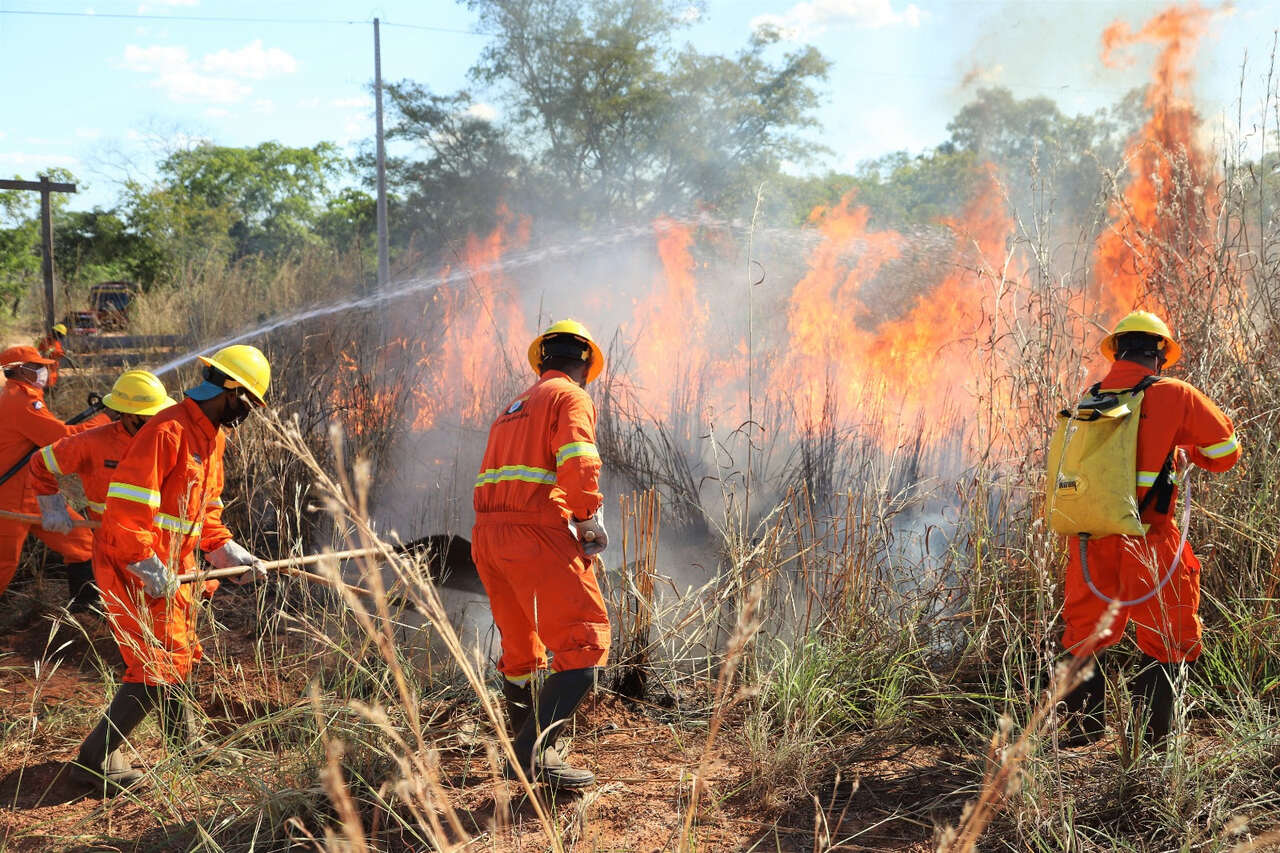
{"x":156,"y":636}
{"x":75,"y":547}
{"x":1168,"y":626}
{"x":544,"y":597}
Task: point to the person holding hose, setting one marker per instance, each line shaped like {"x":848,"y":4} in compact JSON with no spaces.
{"x":94,"y":456}
{"x":25,"y":425}
{"x":1178,"y":425}
{"x":164,"y":501}
{"x":50,"y":346}
{"x":538,"y":528}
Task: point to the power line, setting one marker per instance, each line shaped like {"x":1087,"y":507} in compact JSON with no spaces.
{"x":127,"y":16}
{"x":44,"y":13}
{"x":456,"y":31}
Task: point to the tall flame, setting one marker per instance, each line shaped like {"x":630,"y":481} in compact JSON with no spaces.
{"x":1170,"y":173}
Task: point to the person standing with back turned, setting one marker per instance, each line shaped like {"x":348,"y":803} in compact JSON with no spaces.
{"x":538,"y":528}
{"x":1177,"y":425}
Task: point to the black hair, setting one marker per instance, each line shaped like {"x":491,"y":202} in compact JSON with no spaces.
{"x":1140,"y":344}
{"x":216,"y":376}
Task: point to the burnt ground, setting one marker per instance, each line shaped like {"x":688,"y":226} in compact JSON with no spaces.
{"x":645,"y":756}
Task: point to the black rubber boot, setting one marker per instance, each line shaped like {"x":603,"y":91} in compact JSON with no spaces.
{"x":100,"y":763}
{"x":556,"y":701}
{"x":1086,"y":709}
{"x":519,"y":702}
{"x":1155,"y":685}
{"x":80,"y":587}
{"x":180,"y":725}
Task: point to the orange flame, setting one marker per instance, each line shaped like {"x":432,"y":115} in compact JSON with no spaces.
{"x":1170,"y":176}
{"x":912,"y":363}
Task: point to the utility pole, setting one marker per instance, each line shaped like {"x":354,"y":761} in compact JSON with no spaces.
{"x":384,"y":267}
{"x":45,"y":186}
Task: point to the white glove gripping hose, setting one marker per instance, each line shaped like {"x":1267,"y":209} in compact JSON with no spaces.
{"x":1177,"y":557}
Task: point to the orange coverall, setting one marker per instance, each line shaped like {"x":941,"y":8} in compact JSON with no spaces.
{"x":50,"y":346}
{"x":1168,"y":626}
{"x":25,"y":424}
{"x":165,"y":498}
{"x":93,"y":456}
{"x":540,"y":466}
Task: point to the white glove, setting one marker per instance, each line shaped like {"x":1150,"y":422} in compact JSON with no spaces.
{"x":54,"y":516}
{"x":591,"y":533}
{"x":232,"y":553}
{"x":157,"y":580}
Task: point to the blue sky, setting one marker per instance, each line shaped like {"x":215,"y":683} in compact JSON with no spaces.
{"x":107,"y":96}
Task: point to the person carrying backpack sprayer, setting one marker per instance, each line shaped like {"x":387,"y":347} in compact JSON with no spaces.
{"x":1115,"y":464}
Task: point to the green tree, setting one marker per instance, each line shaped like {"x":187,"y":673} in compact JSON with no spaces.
{"x":213,"y":200}
{"x":460,"y":165}
{"x":604,"y":117}
{"x":20,"y":262}
{"x":1037,"y":147}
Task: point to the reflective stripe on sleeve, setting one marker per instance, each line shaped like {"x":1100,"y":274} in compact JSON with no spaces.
{"x":1147,"y":479}
{"x":137,"y":494}
{"x":173,"y":524}
{"x":50,"y":461}
{"x":1221,"y":449}
{"x":96,"y":507}
{"x":213,"y":503}
{"x":575,"y":449}
{"x":521,"y":473}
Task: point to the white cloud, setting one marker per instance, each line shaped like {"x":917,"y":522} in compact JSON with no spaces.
{"x":813,"y":16}
{"x":264,"y":106}
{"x":217,"y":78}
{"x":217,"y":112}
{"x":88,"y":132}
{"x":38,"y":161}
{"x":251,"y":62}
{"x":482,"y":111}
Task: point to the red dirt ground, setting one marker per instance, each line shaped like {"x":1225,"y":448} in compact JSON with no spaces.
{"x":645,"y":760}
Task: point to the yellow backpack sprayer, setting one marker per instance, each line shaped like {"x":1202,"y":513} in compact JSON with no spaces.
{"x":1092,"y":482}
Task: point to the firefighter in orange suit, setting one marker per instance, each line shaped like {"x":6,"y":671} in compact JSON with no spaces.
{"x":50,"y":346}
{"x":165,"y":501}
{"x":94,"y":456}
{"x":538,"y":528}
{"x":1178,"y":425}
{"x":25,"y":425}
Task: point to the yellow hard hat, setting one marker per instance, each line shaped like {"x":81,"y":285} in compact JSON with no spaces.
{"x":1148,"y":323}
{"x":137,"y":392}
{"x":60,"y":328}
{"x":567,"y":327}
{"x":245,"y":367}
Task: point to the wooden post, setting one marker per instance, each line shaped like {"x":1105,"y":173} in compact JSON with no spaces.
{"x":44,"y":186}
{"x":46,"y":251}
{"x":384,"y":267}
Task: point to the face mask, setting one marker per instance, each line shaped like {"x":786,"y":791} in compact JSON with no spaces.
{"x":239,"y":410}
{"x":42,"y":377}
